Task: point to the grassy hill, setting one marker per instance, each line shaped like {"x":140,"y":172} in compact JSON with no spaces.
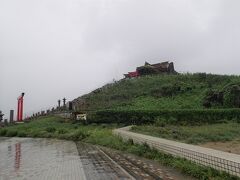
{"x":158,"y":92}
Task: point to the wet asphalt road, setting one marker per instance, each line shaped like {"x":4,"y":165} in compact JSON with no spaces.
{"x":27,"y":158}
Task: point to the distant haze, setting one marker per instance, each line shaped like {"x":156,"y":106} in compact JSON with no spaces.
{"x":52,"y":49}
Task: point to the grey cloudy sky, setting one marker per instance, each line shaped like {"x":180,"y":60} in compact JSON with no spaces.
{"x":64,"y":48}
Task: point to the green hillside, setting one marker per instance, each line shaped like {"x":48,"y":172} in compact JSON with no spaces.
{"x":158,"y":92}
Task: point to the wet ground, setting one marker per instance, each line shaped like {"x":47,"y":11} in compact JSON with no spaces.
{"x":27,"y":158}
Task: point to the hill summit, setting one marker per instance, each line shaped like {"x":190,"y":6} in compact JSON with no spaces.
{"x":164,"y":91}
{"x":151,"y":69}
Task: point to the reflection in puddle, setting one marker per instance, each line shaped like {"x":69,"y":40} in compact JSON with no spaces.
{"x":17,"y":156}
{"x":27,"y":158}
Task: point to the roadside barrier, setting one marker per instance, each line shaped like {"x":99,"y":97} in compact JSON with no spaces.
{"x":219,"y":160}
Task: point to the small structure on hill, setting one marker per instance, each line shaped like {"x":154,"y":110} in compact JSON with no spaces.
{"x":79,"y":104}
{"x":132,"y":74}
{"x":148,"y":69}
{"x":81,"y":117}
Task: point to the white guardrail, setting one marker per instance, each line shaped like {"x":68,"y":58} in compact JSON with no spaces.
{"x":204,"y":156}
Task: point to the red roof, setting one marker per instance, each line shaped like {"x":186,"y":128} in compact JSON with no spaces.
{"x":133,"y":74}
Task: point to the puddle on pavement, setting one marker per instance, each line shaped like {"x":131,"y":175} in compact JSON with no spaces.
{"x":26,"y":158}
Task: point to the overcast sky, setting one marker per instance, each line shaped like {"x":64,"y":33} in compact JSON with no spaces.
{"x":52,"y":49}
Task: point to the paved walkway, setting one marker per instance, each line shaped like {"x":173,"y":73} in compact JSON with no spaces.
{"x":217,"y":159}
{"x":50,"y":159}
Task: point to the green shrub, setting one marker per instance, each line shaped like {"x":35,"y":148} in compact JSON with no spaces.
{"x":130,"y":142}
{"x":181,"y":116}
{"x":3,"y":132}
{"x":11,"y":133}
{"x":21,"y":134}
{"x":161,"y":122}
{"x":78,"y":135}
{"x":62,"y":131}
{"x":50,"y":129}
{"x":104,"y":125}
{"x":39,"y":134}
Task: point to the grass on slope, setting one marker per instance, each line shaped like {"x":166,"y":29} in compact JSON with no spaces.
{"x":158,"y":92}
{"x":193,"y":134}
{"x":53,"y":127}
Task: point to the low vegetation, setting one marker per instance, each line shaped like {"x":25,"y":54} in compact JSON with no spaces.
{"x":176,"y":117}
{"x":158,"y":92}
{"x":54,"y":127}
{"x":221,"y":132}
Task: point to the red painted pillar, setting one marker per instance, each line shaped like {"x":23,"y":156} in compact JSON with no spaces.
{"x":20,"y":108}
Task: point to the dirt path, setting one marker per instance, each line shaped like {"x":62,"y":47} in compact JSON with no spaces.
{"x":230,"y":146}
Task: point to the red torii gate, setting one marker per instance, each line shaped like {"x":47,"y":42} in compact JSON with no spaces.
{"x":20,"y":108}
